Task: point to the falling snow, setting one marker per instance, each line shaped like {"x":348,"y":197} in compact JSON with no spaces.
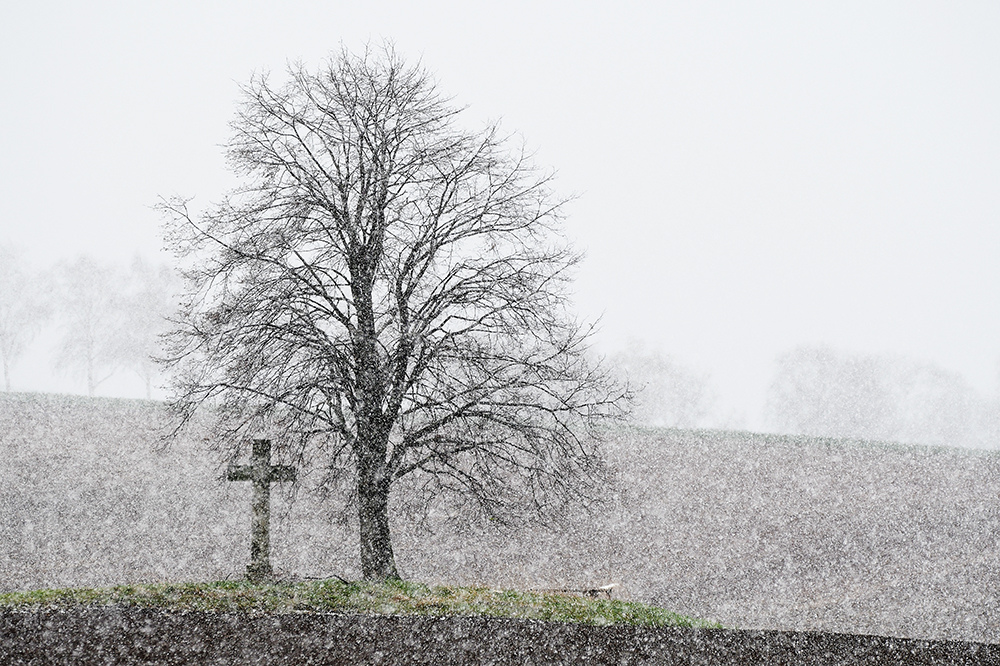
{"x":755,"y":531}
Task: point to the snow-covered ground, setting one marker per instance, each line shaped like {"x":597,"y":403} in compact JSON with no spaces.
{"x":751,"y":530}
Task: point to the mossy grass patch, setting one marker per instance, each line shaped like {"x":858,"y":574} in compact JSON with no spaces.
{"x":361,"y":597}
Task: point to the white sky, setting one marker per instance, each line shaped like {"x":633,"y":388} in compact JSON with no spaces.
{"x":752,"y":175}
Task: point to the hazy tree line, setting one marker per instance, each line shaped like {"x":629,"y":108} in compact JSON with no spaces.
{"x":817,"y":390}
{"x":823,"y":392}
{"x":105,"y":318}
{"x":108,"y":318}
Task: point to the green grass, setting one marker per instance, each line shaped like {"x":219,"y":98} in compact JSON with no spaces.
{"x":326,"y":596}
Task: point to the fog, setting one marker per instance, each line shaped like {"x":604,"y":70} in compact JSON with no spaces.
{"x":749,"y":180}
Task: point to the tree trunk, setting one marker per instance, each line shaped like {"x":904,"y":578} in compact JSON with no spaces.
{"x":91,"y":386}
{"x":377,"y":559}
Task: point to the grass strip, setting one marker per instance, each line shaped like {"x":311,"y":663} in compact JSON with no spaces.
{"x":362,"y":597}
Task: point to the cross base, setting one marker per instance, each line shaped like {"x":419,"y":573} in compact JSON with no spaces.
{"x":260,"y":572}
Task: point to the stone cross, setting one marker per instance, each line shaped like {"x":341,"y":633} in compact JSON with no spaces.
{"x":263,"y":474}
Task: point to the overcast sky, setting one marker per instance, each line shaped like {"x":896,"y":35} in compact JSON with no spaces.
{"x":751,"y":175}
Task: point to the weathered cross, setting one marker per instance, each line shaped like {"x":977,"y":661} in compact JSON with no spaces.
{"x":263,"y":474}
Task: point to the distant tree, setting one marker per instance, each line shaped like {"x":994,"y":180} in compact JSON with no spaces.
{"x":666,"y":393}
{"x":387,"y":292}
{"x":818,"y":391}
{"x":935,"y":405}
{"x":90,"y":316}
{"x":991,"y":418}
{"x":23,"y":309}
{"x":146,"y":305}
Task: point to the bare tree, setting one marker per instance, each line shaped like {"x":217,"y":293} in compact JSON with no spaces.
{"x":819,"y":391}
{"x":90,"y":314}
{"x":666,"y":393}
{"x":388,"y":292}
{"x":22,"y":310}
{"x":147,"y":304}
